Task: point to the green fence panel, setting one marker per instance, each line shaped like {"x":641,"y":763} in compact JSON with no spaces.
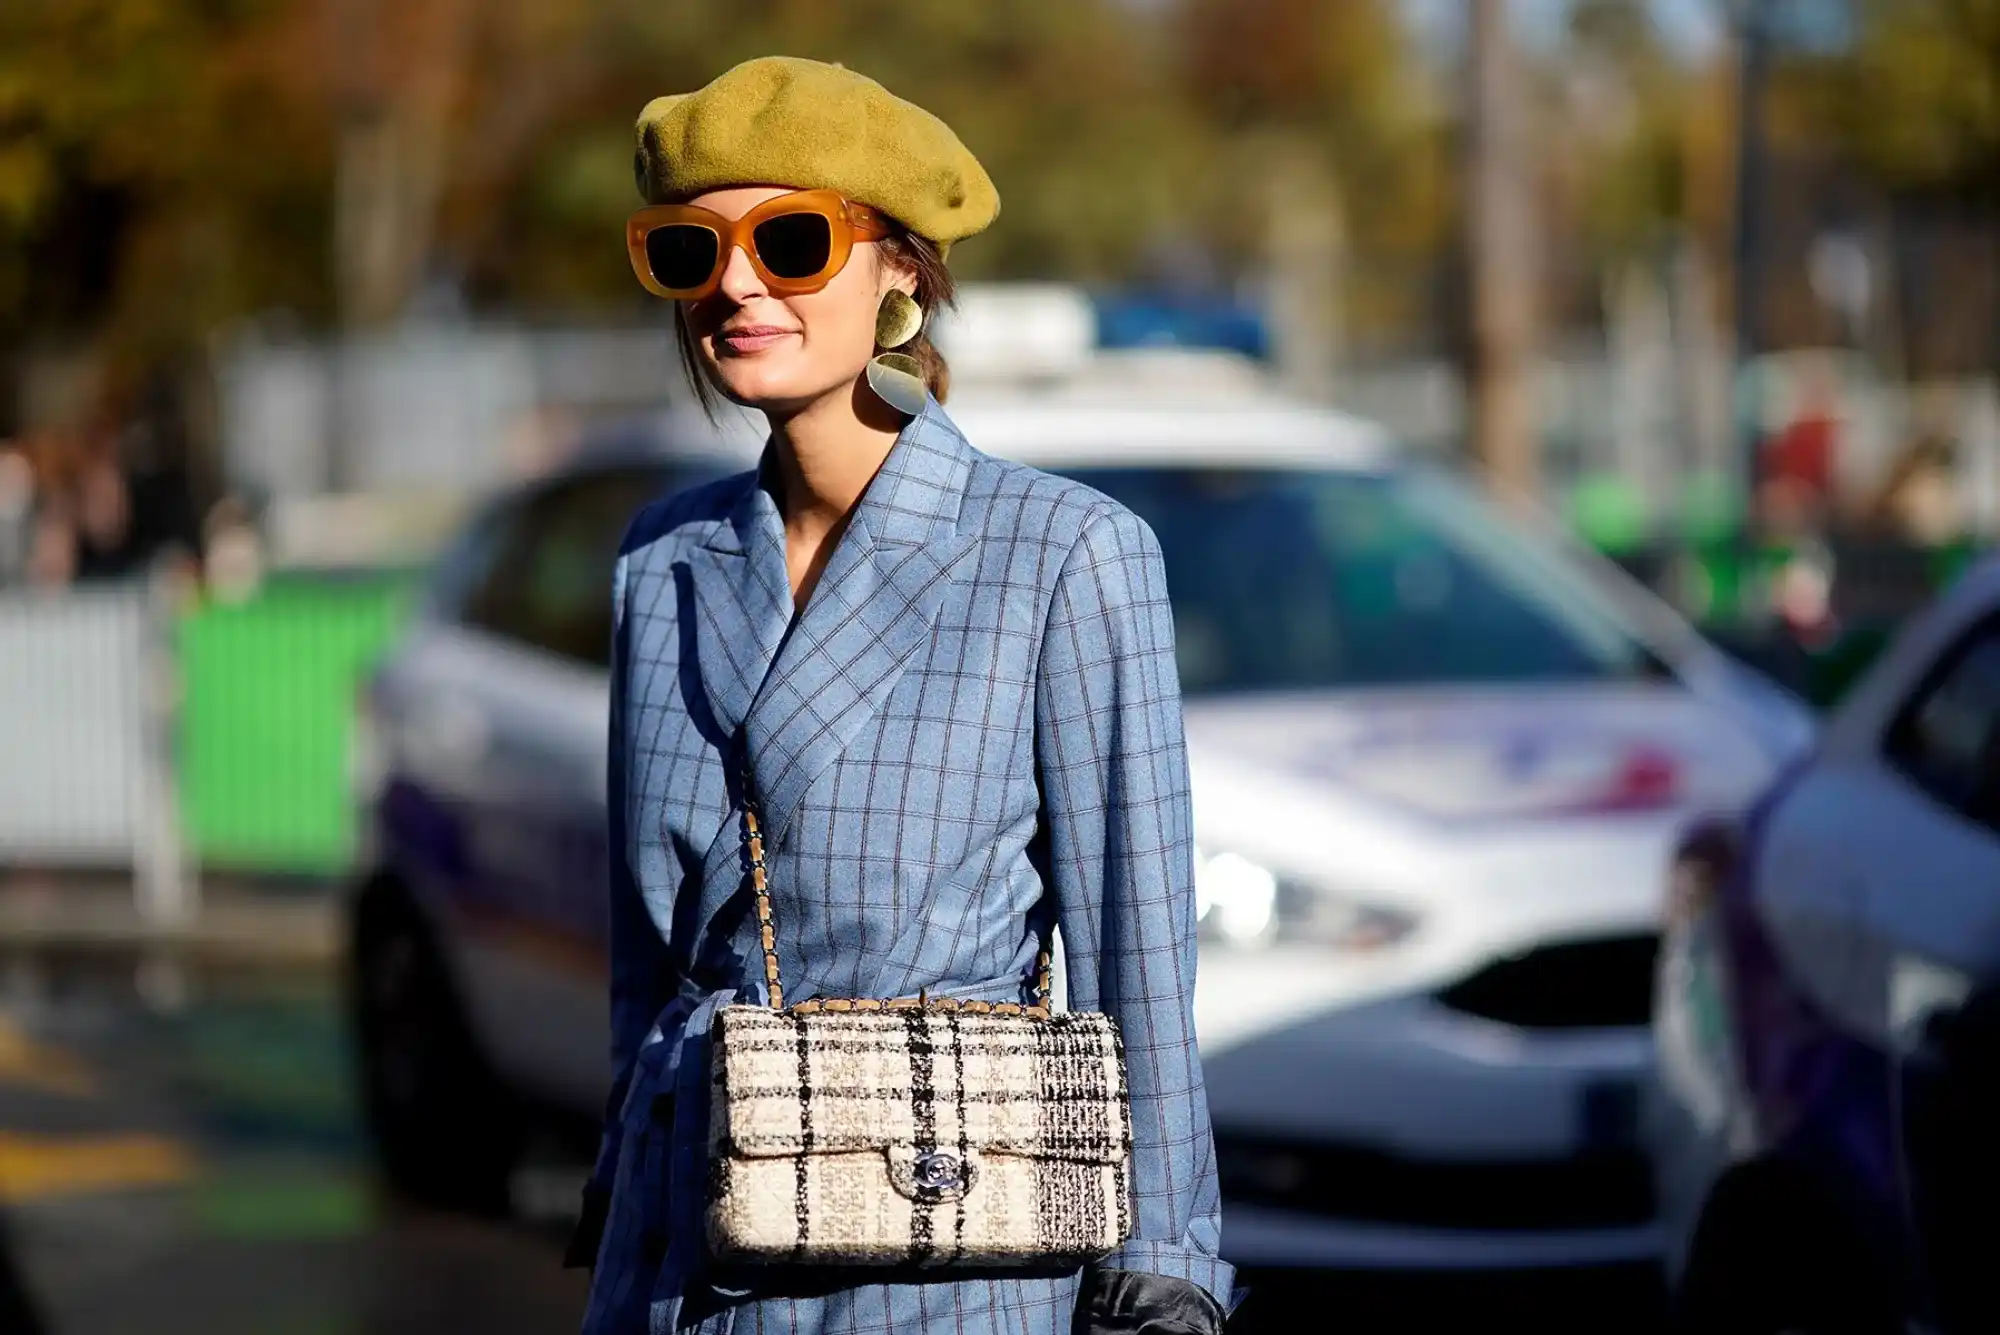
{"x":267,"y":714}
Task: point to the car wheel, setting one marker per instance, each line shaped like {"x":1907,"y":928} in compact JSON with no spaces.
{"x":446,"y":1131}
{"x":1772,"y":1256}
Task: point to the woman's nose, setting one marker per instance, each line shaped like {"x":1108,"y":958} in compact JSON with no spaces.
{"x":740,"y":282}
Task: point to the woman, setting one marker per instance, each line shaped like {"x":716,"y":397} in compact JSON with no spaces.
{"x":948,"y":682}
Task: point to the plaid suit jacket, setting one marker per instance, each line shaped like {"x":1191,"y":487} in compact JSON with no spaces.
{"x":972,"y":730}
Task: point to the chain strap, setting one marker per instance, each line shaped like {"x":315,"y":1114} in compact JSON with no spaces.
{"x":753,"y":842}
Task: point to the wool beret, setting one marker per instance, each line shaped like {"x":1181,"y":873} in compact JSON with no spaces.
{"x":780,"y":120}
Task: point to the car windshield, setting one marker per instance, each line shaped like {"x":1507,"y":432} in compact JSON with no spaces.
{"x":1293,"y":578}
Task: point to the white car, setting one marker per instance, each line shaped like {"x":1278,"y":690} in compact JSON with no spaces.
{"x":1438,"y":765}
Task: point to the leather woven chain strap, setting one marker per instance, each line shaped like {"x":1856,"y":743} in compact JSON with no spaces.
{"x":753,"y":839}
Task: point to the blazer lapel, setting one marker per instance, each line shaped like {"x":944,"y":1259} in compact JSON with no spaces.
{"x":744,"y":599}
{"x":872,"y":610}
{"x":742,"y":606}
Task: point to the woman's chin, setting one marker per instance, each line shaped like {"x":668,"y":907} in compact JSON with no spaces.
{"x":770,"y":388}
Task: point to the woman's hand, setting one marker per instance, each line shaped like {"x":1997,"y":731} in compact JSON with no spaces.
{"x":1133,"y":1302}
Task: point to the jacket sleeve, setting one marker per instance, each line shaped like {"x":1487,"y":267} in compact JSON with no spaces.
{"x":640,"y":970}
{"x":1112,"y":762}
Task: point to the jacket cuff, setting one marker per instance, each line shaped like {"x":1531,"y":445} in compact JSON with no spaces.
{"x":1135,"y":1302}
{"x":1178,"y":1261}
{"x":581,"y":1252}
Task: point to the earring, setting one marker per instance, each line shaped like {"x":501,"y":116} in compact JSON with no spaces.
{"x":898,"y":380}
{"x":897,"y":319}
{"x":896,"y":377}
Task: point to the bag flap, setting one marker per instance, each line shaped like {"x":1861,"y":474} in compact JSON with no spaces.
{"x":829,"y":1082}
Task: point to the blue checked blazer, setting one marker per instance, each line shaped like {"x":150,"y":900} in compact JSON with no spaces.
{"x":972,"y":730}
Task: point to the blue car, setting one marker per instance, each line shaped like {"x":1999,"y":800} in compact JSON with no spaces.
{"x":1827,"y":1103}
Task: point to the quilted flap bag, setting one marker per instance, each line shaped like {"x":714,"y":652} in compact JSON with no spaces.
{"x":914,"y":1132}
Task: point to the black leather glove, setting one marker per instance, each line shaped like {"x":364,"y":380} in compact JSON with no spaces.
{"x":1133,"y":1302}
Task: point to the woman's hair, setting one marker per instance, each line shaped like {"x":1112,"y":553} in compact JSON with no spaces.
{"x":935,"y":292}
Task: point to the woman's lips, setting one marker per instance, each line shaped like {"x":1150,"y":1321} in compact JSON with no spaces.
{"x":754,"y":338}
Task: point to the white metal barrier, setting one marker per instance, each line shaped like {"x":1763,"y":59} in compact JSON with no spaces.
{"x":85,"y":756}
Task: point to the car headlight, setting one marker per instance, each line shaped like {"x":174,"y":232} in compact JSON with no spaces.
{"x":1235,"y":899}
{"x":1241,"y":902}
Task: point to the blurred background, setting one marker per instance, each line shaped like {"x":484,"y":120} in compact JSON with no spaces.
{"x":291,"y":291}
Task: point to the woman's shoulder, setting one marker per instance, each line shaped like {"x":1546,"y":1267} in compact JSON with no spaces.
{"x":1019,"y":503}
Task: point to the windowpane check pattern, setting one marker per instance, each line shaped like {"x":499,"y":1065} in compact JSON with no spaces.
{"x":971,"y":730}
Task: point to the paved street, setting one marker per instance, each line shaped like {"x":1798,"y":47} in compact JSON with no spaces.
{"x":192,"y":1164}
{"x":200,"y":1170}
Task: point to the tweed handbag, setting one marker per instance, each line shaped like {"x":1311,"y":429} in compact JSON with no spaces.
{"x":914,"y":1132}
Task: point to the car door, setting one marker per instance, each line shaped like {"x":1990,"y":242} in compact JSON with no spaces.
{"x":1933,"y":893}
{"x":529,"y":684}
{"x":1879,"y":888}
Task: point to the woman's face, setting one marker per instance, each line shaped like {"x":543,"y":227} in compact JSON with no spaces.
{"x":779,"y":354}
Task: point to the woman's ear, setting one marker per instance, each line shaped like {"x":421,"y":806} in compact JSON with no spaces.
{"x":892,"y":273}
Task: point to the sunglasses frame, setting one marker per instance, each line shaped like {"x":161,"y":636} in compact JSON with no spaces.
{"x":847,"y":222}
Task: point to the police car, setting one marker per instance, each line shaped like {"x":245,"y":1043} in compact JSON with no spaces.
{"x":1439,"y":759}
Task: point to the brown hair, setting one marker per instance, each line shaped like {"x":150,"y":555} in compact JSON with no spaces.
{"x":936,"y":291}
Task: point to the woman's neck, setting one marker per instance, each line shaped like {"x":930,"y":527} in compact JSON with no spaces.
{"x":826,"y":455}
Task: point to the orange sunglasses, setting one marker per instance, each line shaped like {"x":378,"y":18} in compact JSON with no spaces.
{"x":796,"y":243}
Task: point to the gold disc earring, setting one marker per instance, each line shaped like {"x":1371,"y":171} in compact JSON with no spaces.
{"x":898,"y":319}
{"x":896,"y":377}
{"x":898,"y":380}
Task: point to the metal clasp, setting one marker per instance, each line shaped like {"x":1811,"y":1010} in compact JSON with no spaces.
{"x":938,"y":1171}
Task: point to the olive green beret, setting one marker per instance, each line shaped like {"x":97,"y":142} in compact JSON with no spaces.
{"x":781,"y":120}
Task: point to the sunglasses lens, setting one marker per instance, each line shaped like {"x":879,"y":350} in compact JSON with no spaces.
{"x":794,"y":245}
{"x":681,"y":255}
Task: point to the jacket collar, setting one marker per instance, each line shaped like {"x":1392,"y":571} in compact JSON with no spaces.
{"x":914,"y":496}
{"x":801,"y":688}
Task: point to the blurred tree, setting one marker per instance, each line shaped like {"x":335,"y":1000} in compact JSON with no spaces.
{"x":1059,"y":98}
{"x":459,"y":126}
{"x":162,"y":166}
{"x":1299,"y":87}
{"x":1624,"y":127}
{"x":1636,"y":137}
{"x":1916,"y":98}
{"x":1502,"y":250}
{"x":1908,"y":104}
{"x":169,"y":165}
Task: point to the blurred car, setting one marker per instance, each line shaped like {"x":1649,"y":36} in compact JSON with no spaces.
{"x":1438,"y":765}
{"x":1828,"y":1024}
{"x":477,"y":927}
